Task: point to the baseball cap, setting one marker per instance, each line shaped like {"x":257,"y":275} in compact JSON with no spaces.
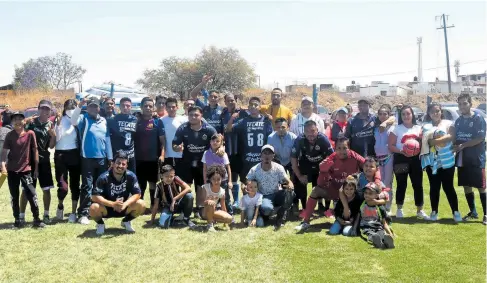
{"x":12,"y":116}
{"x":93,"y":101}
{"x":307,"y":98}
{"x":343,"y":109}
{"x":373,"y":187}
{"x":366,"y":100}
{"x":267,"y":146}
{"x":45,"y":103}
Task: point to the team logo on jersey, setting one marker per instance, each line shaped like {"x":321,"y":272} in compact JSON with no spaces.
{"x":471,"y":124}
{"x":317,"y":147}
{"x":218,"y":112}
{"x":150,"y":125}
{"x":372,"y":124}
{"x":204,"y":137}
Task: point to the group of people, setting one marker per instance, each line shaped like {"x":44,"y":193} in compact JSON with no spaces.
{"x":272,"y":152}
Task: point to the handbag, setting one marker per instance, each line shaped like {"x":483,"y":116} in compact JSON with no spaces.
{"x":401,"y":168}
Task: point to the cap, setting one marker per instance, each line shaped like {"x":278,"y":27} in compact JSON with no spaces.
{"x":373,"y":187}
{"x":12,"y":116}
{"x":267,"y":146}
{"x":306,"y":98}
{"x":344,"y":109}
{"x":366,"y":100}
{"x":93,"y":101}
{"x":45,"y":103}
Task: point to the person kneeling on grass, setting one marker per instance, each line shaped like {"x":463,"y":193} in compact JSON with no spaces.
{"x":345,"y":225}
{"x":215,"y":194}
{"x":116,"y":194}
{"x":250,"y":204}
{"x":374,"y":220}
{"x":174,"y":196}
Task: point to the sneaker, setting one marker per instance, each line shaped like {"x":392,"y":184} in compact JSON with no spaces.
{"x":46,"y":219}
{"x":471,"y":215}
{"x":100,"y":229}
{"x":235,"y":206}
{"x":128,"y":226}
{"x":457,"y":217}
{"x":389,"y":242}
{"x":210,"y":228}
{"x":433,"y":216}
{"x":59,"y":214}
{"x":377,"y":241}
{"x":17,"y":223}
{"x":84,"y":220}
{"x":72,"y":218}
{"x":22,"y":221}
{"x":329,"y":213}
{"x":484,"y":220}
{"x":422,"y":215}
{"x":399,"y":213}
{"x":302,"y":227}
{"x":179,"y":218}
{"x":38,"y":224}
{"x":189,"y":223}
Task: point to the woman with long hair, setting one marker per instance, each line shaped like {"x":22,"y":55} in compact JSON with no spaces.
{"x":406,"y":164}
{"x":439,"y":161}
{"x":384,"y":156}
{"x":67,"y":160}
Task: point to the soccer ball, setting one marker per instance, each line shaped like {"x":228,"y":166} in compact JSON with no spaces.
{"x":411,"y":147}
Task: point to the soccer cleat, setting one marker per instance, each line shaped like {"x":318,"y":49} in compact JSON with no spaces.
{"x":59,"y":214}
{"x":189,"y":223}
{"x":72,"y":218}
{"x":399,"y":213}
{"x":422,"y":215}
{"x":484,"y":220}
{"x":377,"y":241}
{"x":302,"y":227}
{"x":128,"y":226}
{"x":210,"y":228}
{"x":46,"y":219}
{"x":389,"y":242}
{"x":84,"y":220}
{"x":433,"y":216}
{"x":38,"y":224}
{"x":457,"y":217}
{"x":100,"y":229}
{"x":470,"y":216}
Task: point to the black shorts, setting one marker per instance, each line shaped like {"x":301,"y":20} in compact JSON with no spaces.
{"x":235,"y":164}
{"x":147,"y":171}
{"x":174,"y":162}
{"x":191,"y":175}
{"x":45,"y":176}
{"x":111,"y":213}
{"x":471,"y":177}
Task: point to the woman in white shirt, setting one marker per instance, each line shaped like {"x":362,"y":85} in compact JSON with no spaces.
{"x":405,"y":164}
{"x":67,"y":160}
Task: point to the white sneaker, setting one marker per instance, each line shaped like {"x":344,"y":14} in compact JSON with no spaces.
{"x":100,"y":229}
{"x":457,"y":216}
{"x":84,"y":220}
{"x":72,"y":218}
{"x":59,"y":214}
{"x":399,"y":213}
{"x":433,"y":216}
{"x":302,"y":227}
{"x":128,"y":227}
{"x":422,"y":215}
{"x":179,"y":218}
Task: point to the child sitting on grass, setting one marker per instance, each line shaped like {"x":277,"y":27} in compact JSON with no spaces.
{"x":374,"y":220}
{"x":250,"y":204}
{"x":174,"y":196}
{"x":215,"y":194}
{"x":345,"y":225}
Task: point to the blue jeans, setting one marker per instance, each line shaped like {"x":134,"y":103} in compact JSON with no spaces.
{"x":249,"y":215}
{"x":184,"y":206}
{"x":282,"y":199}
{"x":91,"y":169}
{"x":228,"y":202}
{"x":337,"y":229}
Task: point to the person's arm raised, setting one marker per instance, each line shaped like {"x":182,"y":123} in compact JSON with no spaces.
{"x":194,"y":93}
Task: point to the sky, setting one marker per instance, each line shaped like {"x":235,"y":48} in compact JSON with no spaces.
{"x":286,"y":42}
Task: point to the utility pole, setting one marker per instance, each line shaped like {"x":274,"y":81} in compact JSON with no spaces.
{"x":420,"y":60}
{"x":444,"y":27}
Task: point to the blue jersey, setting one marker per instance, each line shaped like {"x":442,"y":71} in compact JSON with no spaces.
{"x":231,"y":138}
{"x":309,"y":156}
{"x":252,"y":135}
{"x":361,"y":134}
{"x":467,"y":129}
{"x":111,"y":189}
{"x":195,"y":142}
{"x":122,"y":133}
{"x":211,"y":115}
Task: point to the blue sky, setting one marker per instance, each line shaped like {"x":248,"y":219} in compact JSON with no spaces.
{"x":311,"y":42}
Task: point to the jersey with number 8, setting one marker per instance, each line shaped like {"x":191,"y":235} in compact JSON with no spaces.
{"x":252,"y":134}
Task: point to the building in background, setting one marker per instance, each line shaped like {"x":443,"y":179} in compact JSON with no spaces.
{"x":475,"y":83}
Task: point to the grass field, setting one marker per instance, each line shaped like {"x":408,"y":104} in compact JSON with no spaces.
{"x":425,"y":252}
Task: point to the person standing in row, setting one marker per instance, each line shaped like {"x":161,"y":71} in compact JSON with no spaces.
{"x":67,"y":161}
{"x":297,"y":123}
{"x":282,"y":140}
{"x":276,"y":109}
{"x":339,"y":126}
{"x":149,"y":148}
{"x":470,"y":159}
{"x":107,"y":106}
{"x":96,"y":150}
{"x":43,"y":128}
{"x":22,"y":147}
{"x":121,"y":129}
{"x":170,"y":123}
{"x":160,"y":106}
{"x":211,"y":112}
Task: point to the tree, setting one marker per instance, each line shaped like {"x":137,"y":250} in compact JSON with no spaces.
{"x":229,"y":71}
{"x":57,"y":72}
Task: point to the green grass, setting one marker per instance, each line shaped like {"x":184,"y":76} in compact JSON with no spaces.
{"x":62,"y":252}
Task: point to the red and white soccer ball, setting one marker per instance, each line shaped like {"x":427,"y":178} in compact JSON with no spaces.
{"x":411,"y":147}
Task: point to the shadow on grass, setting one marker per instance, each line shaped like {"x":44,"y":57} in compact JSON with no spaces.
{"x":413,"y":220}
{"x":317,"y":228}
{"x":109,"y":233}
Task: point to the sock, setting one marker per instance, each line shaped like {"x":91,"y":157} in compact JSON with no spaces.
{"x":471,"y":202}
{"x":22,"y":215}
{"x":99,"y":221}
{"x":483,"y":201}
{"x":60,"y":206}
{"x":128,"y":218}
{"x":310,"y":207}
{"x":46,"y":212}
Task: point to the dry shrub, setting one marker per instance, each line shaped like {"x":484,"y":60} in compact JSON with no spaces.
{"x":26,"y":99}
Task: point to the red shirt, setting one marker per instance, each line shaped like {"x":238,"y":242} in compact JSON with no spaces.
{"x":334,"y":171}
{"x":22,"y":148}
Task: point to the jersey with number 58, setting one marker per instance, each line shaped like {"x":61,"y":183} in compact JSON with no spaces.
{"x":252,"y":136}
{"x":122,"y":133}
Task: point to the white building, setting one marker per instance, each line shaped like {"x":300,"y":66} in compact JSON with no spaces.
{"x":376,"y":88}
{"x":434,"y":87}
{"x":473,"y":83}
